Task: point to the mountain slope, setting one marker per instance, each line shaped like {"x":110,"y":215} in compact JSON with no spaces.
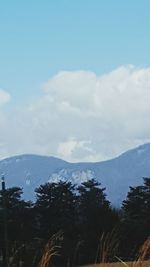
{"x":29,"y":171}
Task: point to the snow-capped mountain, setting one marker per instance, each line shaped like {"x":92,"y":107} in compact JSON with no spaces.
{"x":30,"y":171}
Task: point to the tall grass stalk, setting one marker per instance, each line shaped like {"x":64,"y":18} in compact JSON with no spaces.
{"x":141,"y":255}
{"x":50,"y":250}
{"x":108,"y":246}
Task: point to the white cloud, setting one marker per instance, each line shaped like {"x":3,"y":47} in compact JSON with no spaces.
{"x":82,"y":116}
{"x":66,"y":149}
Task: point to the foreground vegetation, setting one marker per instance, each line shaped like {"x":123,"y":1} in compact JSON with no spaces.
{"x":78,"y":224}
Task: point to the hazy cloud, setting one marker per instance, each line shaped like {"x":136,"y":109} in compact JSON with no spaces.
{"x":4,"y":97}
{"x":82,"y":116}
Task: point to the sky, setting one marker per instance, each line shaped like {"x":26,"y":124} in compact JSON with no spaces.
{"x":74,"y":77}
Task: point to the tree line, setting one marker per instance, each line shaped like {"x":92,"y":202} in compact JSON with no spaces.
{"x":81,"y":218}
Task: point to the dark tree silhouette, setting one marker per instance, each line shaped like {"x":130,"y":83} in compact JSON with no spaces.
{"x":94,"y":218}
{"x":136,"y":218}
{"x":55,"y":207}
{"x":18,"y":217}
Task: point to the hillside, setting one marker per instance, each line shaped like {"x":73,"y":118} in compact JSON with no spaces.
{"x":29,"y":171}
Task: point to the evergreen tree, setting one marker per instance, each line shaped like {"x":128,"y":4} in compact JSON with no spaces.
{"x":55,"y":207}
{"x":94,"y":218}
{"x":18,"y":219}
{"x":136,"y":217}
{"x":18,"y":214}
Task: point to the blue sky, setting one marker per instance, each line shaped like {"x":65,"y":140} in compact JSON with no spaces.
{"x":74,"y":77}
{"x":40,"y":38}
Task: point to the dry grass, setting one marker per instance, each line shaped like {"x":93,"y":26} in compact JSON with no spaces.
{"x":140,"y":261}
{"x":141,"y":256}
{"x":108,"y":246}
{"x":50,"y":250}
{"x":119,"y":264}
{"x":143,"y":252}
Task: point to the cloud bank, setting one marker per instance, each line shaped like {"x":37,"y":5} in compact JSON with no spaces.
{"x":81,"y":116}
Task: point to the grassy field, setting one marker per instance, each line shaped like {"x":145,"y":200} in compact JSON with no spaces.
{"x":119,"y":264}
{"x":140,"y":258}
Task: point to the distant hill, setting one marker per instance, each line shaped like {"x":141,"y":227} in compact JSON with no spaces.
{"x":29,"y":171}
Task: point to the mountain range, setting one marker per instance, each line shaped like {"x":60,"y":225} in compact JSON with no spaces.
{"x":116,"y":175}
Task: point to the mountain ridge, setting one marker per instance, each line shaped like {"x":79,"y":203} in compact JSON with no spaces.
{"x":29,"y":171}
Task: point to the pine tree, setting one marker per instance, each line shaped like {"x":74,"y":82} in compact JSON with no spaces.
{"x":136,"y":217}
{"x":94,"y":218}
